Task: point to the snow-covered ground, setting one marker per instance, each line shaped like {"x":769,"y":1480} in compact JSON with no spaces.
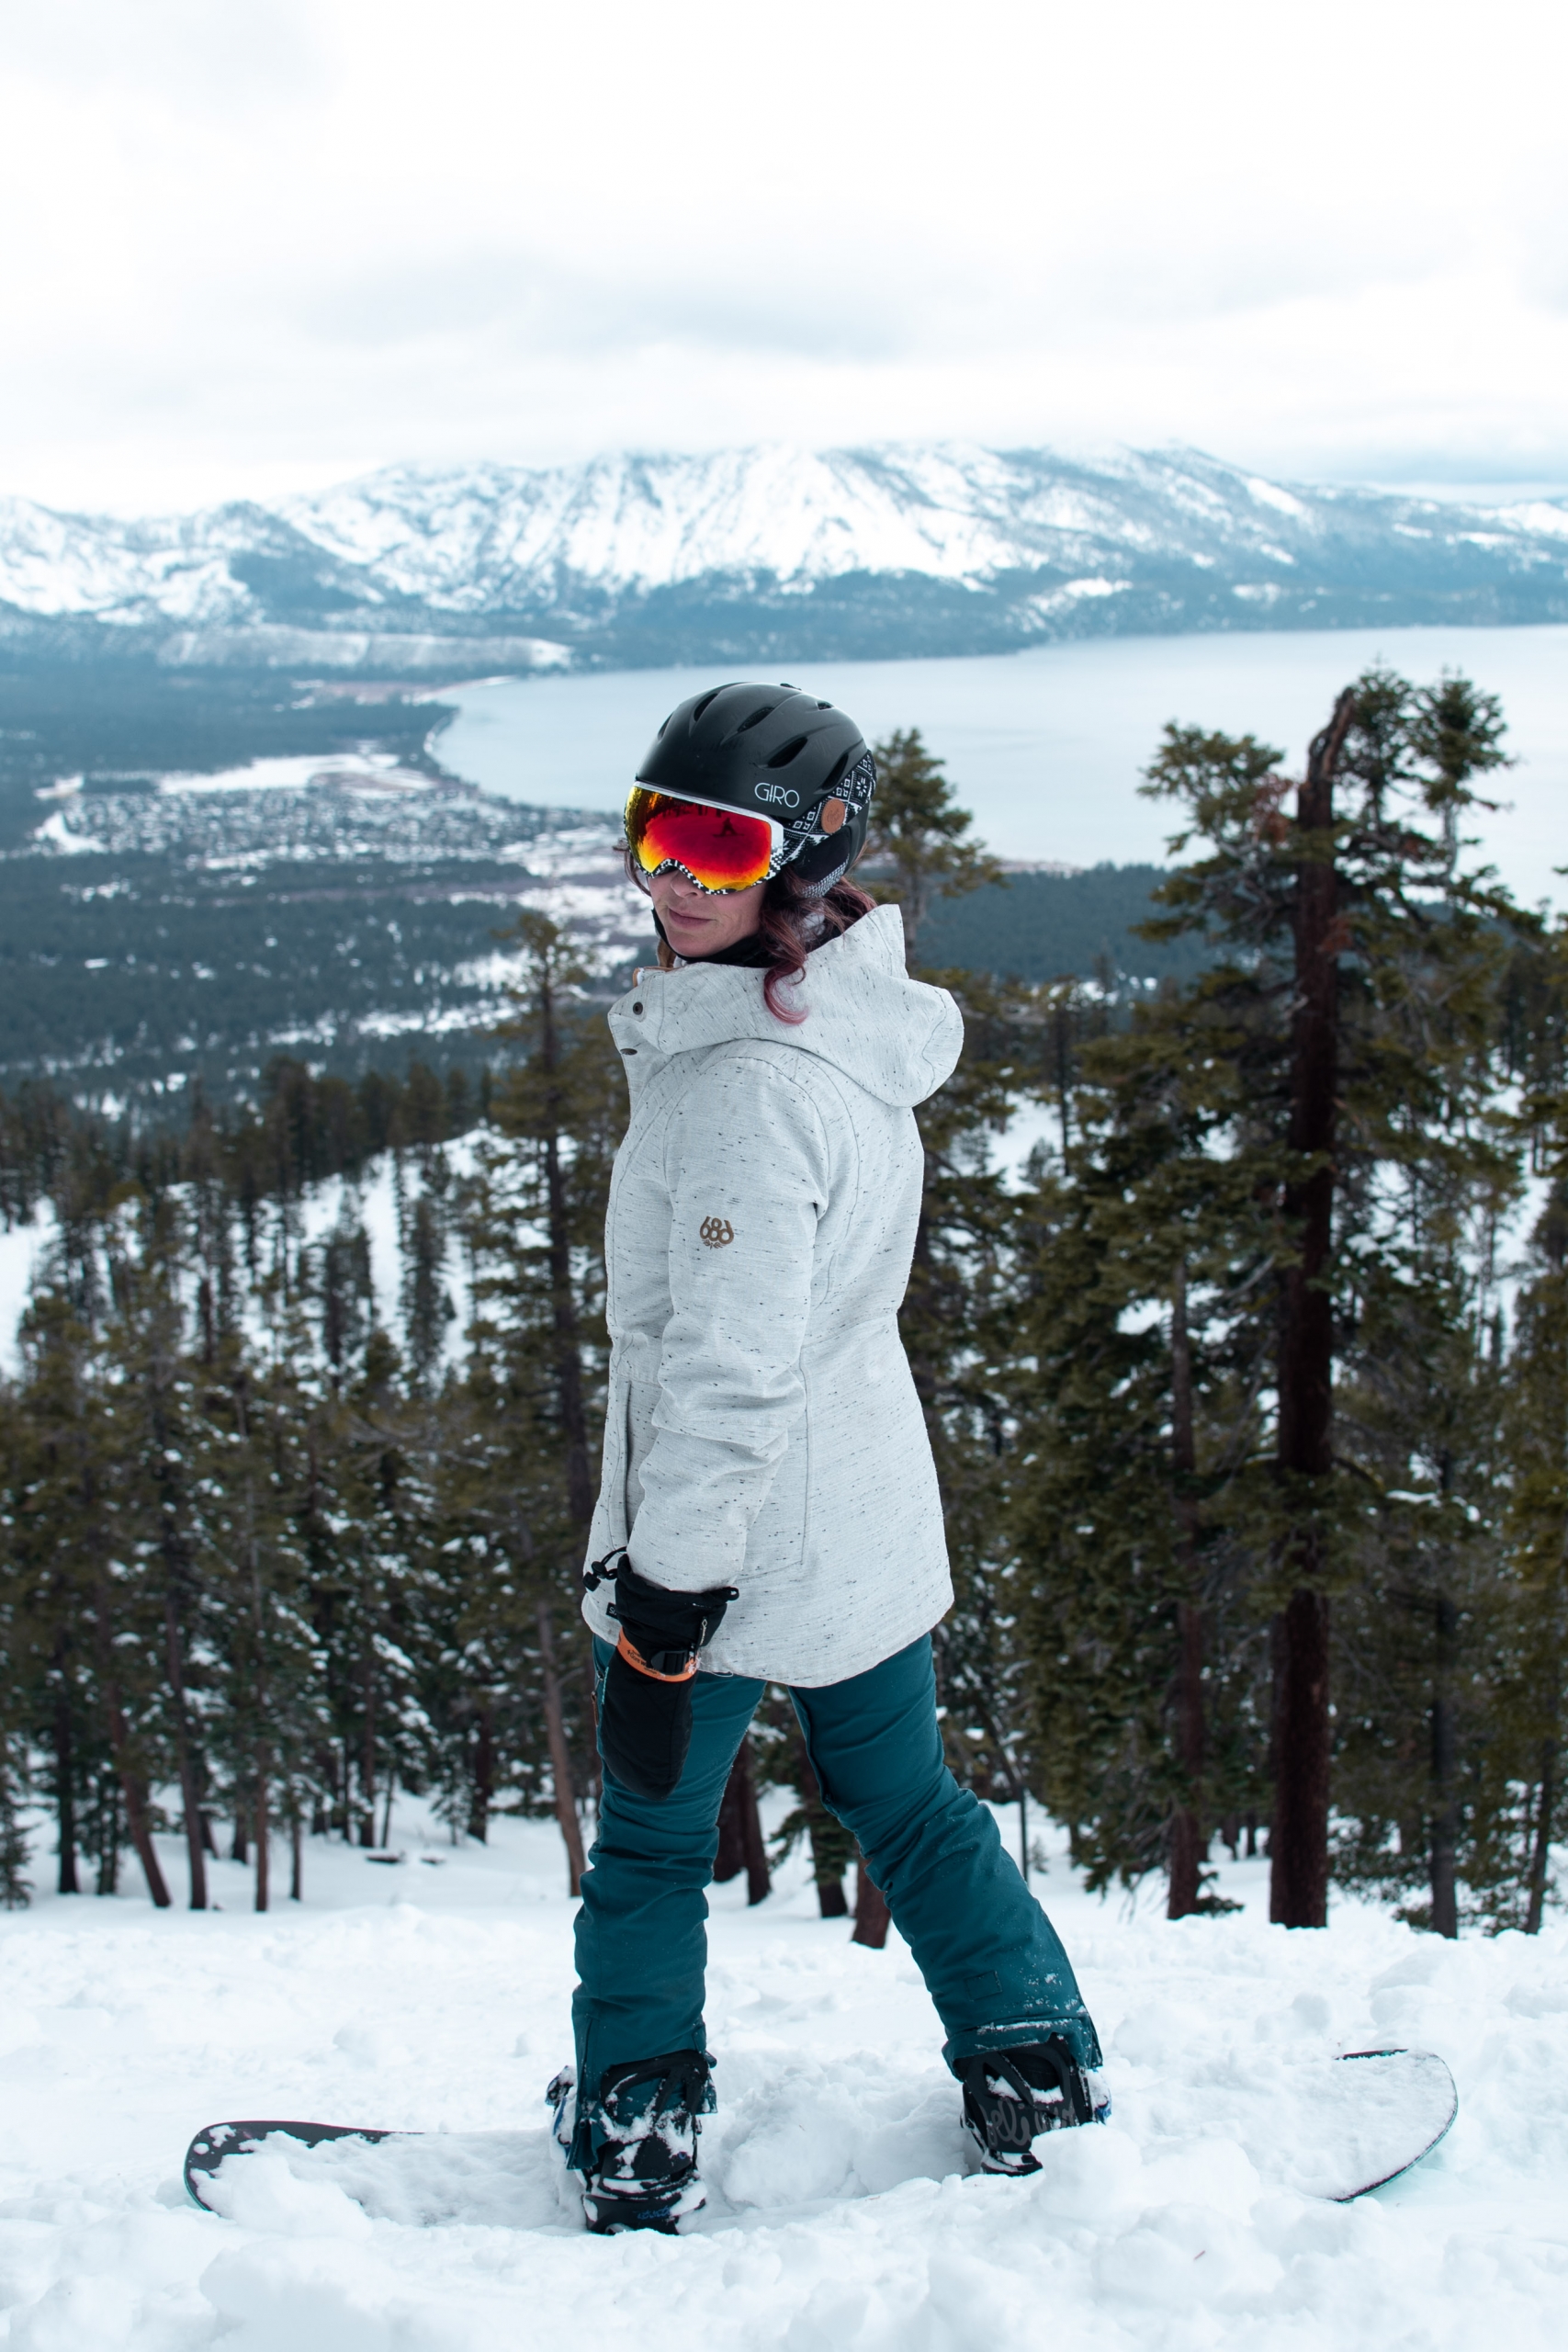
{"x":841,"y":2212}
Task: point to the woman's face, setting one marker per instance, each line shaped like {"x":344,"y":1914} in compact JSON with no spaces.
{"x":700,"y":923}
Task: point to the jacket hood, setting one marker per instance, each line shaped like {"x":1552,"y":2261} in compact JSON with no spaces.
{"x":898,"y":1038}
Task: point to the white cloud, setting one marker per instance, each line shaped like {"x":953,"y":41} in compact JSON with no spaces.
{"x":256,"y":246}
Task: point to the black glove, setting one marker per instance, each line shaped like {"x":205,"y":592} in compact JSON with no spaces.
{"x":645,"y":1716}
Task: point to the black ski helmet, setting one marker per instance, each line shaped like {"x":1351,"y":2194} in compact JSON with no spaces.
{"x":772,"y":751}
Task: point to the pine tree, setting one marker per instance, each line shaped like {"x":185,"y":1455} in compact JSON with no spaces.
{"x":1144,"y":1327}
{"x":916,"y":850}
{"x":1535,"y":1427}
{"x":1231,"y":1169}
{"x":1379,"y":954}
{"x":1423,"y":1630}
{"x":75,"y":1539}
{"x":534,"y":1226}
{"x":156,"y":1449}
{"x":957,"y":1325}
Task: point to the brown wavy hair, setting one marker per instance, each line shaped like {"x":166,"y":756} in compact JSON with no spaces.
{"x":794,"y":920}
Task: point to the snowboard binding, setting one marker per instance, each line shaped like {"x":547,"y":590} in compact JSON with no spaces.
{"x":636,"y":2147}
{"x":1010,"y":2097}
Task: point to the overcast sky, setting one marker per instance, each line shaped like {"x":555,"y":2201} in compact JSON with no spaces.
{"x":253,"y":245}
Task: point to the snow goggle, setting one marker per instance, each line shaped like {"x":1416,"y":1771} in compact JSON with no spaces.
{"x":717,"y":848}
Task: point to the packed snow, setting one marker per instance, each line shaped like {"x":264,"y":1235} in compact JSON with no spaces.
{"x":432,"y":1992}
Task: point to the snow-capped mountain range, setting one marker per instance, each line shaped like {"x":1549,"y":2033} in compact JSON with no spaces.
{"x":947,"y":548}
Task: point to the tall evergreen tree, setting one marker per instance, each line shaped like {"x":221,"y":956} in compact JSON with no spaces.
{"x":1356,"y":926}
{"x":917,"y":850}
{"x":1535,"y":1425}
{"x":535,"y":1225}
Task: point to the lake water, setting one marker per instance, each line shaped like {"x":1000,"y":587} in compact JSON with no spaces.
{"x":1046,"y":746}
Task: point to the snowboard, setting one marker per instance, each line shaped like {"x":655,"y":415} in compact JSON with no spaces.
{"x":1338,"y":2127}
{"x":1326,"y":2126}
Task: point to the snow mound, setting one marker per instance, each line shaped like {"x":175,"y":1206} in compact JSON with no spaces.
{"x":841,"y":2209}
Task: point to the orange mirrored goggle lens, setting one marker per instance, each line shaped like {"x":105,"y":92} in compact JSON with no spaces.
{"x":721,"y":849}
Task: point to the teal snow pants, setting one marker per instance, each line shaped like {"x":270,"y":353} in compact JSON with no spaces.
{"x":993,"y":1963}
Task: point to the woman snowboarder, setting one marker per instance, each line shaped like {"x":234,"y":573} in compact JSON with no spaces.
{"x":769,"y":1508}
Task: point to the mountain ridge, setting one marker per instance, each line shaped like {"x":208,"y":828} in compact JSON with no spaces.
{"x":948,"y":546}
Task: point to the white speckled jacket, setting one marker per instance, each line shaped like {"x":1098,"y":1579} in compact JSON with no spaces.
{"x":762,"y":1429}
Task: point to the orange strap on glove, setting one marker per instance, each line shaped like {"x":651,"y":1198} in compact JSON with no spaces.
{"x":625,"y":1647}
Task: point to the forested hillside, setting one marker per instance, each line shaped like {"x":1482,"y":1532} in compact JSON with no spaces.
{"x":195,"y":880}
{"x":1244,"y":1392}
{"x":1044,"y":926}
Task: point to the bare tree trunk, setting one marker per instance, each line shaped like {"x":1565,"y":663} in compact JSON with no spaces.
{"x":1445,"y":1801}
{"x":367,"y":1748}
{"x":1188,"y":1840}
{"x":296,"y":1857}
{"x":831,"y":1903}
{"x":190,"y":1792}
{"x":481,"y":1783}
{"x":1297,"y":1839}
{"x":1297,"y":1849}
{"x":109,"y":1832}
{"x":871,"y":1909}
{"x":1188,"y":1843}
{"x":65,"y":1781}
{"x":239,"y":1846}
{"x":264,"y":1840}
{"x":138,"y":1819}
{"x":759,"y":1879}
{"x":740,"y":1842}
{"x":387,"y":1809}
{"x":560,"y":1755}
{"x":1541,"y":1849}
{"x":137,"y":1815}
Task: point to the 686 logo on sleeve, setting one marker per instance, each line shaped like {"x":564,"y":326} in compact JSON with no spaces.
{"x":716,"y":1231}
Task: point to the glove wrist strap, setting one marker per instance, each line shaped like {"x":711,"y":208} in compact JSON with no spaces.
{"x":627,"y":1648}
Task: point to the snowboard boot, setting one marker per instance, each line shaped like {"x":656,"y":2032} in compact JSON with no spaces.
{"x":637,"y":2152}
{"x":1011,"y":2096}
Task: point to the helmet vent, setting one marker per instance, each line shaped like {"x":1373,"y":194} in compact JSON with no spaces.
{"x":757,"y":717}
{"x":788,"y":752}
{"x":699,"y":708}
